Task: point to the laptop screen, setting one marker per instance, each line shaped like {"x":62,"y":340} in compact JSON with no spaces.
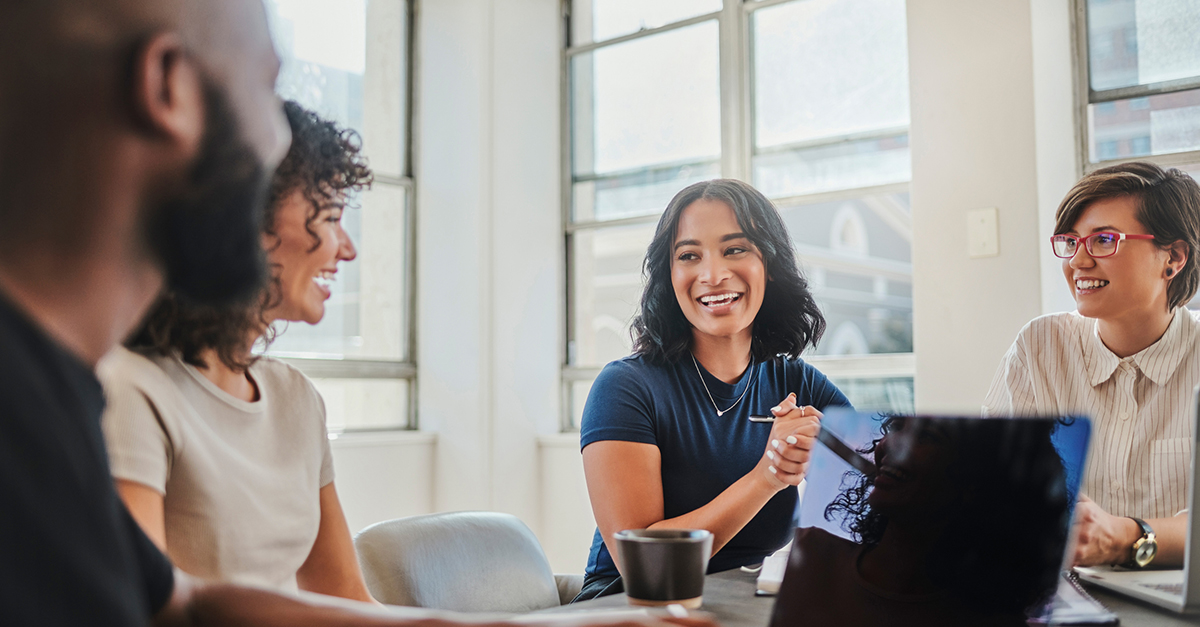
{"x":952,"y":521}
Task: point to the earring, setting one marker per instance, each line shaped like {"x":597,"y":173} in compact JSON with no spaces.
{"x":1170,"y":272}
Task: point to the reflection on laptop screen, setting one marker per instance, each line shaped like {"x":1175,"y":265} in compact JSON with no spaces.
{"x":963,"y":521}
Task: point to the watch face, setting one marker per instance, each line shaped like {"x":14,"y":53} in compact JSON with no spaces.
{"x":1144,"y":552}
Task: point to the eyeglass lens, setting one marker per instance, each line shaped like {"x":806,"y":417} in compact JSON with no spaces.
{"x":1098,"y":245}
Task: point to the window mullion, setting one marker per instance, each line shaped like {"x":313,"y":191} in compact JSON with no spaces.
{"x":734,"y":88}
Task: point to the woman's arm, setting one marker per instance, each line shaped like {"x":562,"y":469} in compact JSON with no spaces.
{"x":1106,"y":539}
{"x":332,"y":565}
{"x":145,"y":504}
{"x":625,"y":482}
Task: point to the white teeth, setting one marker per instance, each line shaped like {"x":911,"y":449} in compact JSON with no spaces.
{"x":719,"y":299}
{"x":1081,"y":284}
{"x":324,"y":279}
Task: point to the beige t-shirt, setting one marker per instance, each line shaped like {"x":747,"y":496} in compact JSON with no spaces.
{"x":240,"y":480}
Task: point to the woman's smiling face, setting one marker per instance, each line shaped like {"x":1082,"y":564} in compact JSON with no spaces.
{"x":716,"y":271}
{"x":1126,"y":285}
{"x":305,"y":274}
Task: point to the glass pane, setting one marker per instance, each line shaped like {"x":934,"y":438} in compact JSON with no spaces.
{"x":365,"y":318}
{"x":641,"y":193}
{"x":878,"y":395}
{"x":345,"y":59}
{"x":598,"y":20}
{"x":1139,"y":127}
{"x":857,"y":256}
{"x":831,"y":167}
{"x":646,"y":102}
{"x":825,"y":69}
{"x":364,"y":404}
{"x":579,"y":391}
{"x":607,"y":284}
{"x":831,"y":96}
{"x":1138,"y":42}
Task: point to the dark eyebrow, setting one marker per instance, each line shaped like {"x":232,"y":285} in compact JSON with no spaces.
{"x":725,"y":238}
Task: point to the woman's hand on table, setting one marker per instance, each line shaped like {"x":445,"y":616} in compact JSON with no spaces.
{"x":785,"y":460}
{"x":1101,"y":538}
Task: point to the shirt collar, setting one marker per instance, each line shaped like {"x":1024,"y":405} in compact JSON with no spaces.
{"x":1157,"y":361}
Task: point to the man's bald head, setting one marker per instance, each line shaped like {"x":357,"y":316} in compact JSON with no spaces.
{"x":115,"y":111}
{"x":86,"y":47}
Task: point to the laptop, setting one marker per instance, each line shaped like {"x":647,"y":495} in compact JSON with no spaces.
{"x":1177,"y":590}
{"x":919,"y":520}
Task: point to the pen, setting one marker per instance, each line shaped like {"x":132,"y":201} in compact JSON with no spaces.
{"x":836,"y":445}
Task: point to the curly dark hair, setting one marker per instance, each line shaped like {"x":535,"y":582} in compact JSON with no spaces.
{"x":323,"y":163}
{"x":789,"y":320}
{"x":1004,"y":542}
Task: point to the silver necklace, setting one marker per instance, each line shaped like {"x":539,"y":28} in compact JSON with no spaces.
{"x":720,"y":412}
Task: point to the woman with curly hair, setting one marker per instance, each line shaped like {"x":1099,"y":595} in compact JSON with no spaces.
{"x":667,"y":437}
{"x":221,"y":455}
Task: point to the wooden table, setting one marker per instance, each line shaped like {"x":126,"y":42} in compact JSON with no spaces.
{"x":729,"y":596}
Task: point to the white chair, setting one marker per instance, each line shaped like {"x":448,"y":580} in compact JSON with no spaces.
{"x":461,"y":561}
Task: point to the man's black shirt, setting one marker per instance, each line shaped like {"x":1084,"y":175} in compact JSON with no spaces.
{"x":70,"y":554}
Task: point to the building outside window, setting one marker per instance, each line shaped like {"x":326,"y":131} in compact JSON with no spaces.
{"x":805,"y":99}
{"x":349,"y":60}
{"x":1140,"y":81}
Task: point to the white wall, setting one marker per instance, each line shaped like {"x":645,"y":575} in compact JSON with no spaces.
{"x":489,"y":258}
{"x":383,"y":476}
{"x":976,"y":100}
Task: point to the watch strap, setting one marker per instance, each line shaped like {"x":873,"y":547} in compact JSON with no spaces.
{"x":1147,"y":532}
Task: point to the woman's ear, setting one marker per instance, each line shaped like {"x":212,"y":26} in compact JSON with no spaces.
{"x":1178,"y":253}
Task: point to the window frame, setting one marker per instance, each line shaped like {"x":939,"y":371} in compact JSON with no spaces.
{"x":736,"y":80}
{"x":1085,"y":96}
{"x":404,"y":369}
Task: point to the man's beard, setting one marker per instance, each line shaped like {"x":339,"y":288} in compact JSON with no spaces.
{"x":208,"y":237}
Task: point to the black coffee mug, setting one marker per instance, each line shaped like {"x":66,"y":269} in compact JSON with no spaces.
{"x":664,"y":566}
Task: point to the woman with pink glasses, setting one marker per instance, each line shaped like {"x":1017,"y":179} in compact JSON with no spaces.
{"x":1128,"y":358}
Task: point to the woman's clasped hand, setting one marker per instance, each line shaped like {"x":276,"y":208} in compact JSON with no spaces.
{"x":785,"y":460}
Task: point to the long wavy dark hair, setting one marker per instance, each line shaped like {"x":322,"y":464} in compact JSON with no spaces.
{"x":1003,"y":543}
{"x":323,"y":163}
{"x":789,"y":320}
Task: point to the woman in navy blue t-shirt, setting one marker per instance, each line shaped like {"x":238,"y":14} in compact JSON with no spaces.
{"x":666,"y":436}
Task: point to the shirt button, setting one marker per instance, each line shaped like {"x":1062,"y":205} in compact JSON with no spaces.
{"x":1117,"y":487}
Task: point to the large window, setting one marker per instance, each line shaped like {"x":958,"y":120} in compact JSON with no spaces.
{"x":1140,"y":91}
{"x":806,"y":99}
{"x":349,"y":60}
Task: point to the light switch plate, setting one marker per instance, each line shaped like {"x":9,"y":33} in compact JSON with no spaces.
{"x":983,"y":233}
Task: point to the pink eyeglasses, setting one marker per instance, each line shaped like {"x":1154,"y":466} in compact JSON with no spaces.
{"x":1102,"y":244}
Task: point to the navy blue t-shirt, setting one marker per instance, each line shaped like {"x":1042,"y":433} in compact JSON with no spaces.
{"x":702,"y":454}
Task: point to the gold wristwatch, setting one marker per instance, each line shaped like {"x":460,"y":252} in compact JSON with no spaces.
{"x":1145,"y":548}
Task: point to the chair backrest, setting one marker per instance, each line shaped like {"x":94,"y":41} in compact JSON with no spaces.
{"x":462,"y":561}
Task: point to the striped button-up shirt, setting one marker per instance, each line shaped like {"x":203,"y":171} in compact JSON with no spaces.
{"x":1141,"y":406}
